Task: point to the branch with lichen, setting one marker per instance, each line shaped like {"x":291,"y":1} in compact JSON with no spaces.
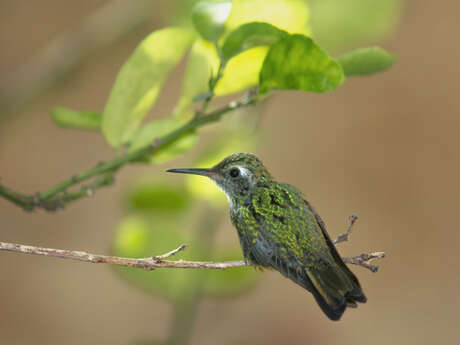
{"x":159,"y":261}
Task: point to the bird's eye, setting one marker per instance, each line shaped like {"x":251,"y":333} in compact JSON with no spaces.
{"x":235,"y":172}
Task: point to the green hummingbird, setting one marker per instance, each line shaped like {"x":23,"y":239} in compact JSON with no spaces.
{"x":279,"y":229}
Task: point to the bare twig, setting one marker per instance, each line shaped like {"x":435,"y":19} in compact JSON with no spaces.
{"x":171,"y":253}
{"x":364,"y":259}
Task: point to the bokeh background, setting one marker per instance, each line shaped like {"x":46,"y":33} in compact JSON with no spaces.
{"x":383,"y":147}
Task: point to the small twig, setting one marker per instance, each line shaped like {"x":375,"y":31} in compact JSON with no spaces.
{"x":168,"y":254}
{"x":363,"y":259}
{"x":346,"y":236}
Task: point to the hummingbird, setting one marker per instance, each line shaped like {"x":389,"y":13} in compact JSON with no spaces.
{"x":279,"y":229}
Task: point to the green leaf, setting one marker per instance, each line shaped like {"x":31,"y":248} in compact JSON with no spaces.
{"x":138,"y":237}
{"x":209,"y":18}
{"x":139,"y":82}
{"x":78,"y":119}
{"x":158,"y":129}
{"x":157,"y":196}
{"x":366,"y":61}
{"x":248,"y":36}
{"x":338,"y":25}
{"x":242,"y":71}
{"x":297,"y":63}
{"x":232,"y":282}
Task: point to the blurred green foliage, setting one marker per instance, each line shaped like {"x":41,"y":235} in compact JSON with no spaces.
{"x":339,"y":25}
{"x":151,"y":229}
{"x":366,"y":61}
{"x":76,"y":119}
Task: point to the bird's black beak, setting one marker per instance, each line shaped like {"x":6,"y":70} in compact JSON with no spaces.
{"x":204,"y":172}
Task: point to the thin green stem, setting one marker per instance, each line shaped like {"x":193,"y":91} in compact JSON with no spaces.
{"x":21,"y":200}
{"x":213,"y":81}
{"x":55,"y":197}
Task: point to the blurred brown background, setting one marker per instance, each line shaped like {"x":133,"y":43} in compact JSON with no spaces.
{"x":383,"y":147}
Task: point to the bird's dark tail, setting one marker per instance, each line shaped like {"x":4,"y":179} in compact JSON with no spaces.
{"x":332,"y":284}
{"x":335,"y":288}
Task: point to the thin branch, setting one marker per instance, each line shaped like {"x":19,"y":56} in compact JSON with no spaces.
{"x":158,"y":261}
{"x":144,"y":263}
{"x":57,"y":197}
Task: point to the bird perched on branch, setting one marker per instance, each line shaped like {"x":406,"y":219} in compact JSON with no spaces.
{"x":279,"y":229}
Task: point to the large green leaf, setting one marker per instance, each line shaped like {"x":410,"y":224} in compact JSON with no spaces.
{"x":209,"y":18}
{"x":160,"y":128}
{"x":77,"y":119}
{"x":339,"y":24}
{"x":248,"y":36}
{"x":366,"y":61}
{"x":297,"y":63}
{"x":139,"y":82}
{"x":242,"y":71}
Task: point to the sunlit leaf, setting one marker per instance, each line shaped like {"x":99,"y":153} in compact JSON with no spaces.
{"x":209,"y":18}
{"x":242,"y":71}
{"x":248,"y":36}
{"x":366,"y":61}
{"x":338,"y":24}
{"x":157,"y":196}
{"x":140,"y":80}
{"x":297,"y":63}
{"x":232,"y":282}
{"x":77,"y":119}
{"x":159,"y":128}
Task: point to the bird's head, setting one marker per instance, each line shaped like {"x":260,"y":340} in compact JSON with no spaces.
{"x":236,"y":174}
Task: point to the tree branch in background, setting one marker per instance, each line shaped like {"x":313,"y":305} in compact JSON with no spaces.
{"x":58,"y":197}
{"x":60,"y":56}
{"x":154,"y":262}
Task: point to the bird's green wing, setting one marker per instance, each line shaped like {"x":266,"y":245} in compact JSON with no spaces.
{"x":293,"y":240}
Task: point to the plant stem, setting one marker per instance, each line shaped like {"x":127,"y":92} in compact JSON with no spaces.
{"x":54,"y":198}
